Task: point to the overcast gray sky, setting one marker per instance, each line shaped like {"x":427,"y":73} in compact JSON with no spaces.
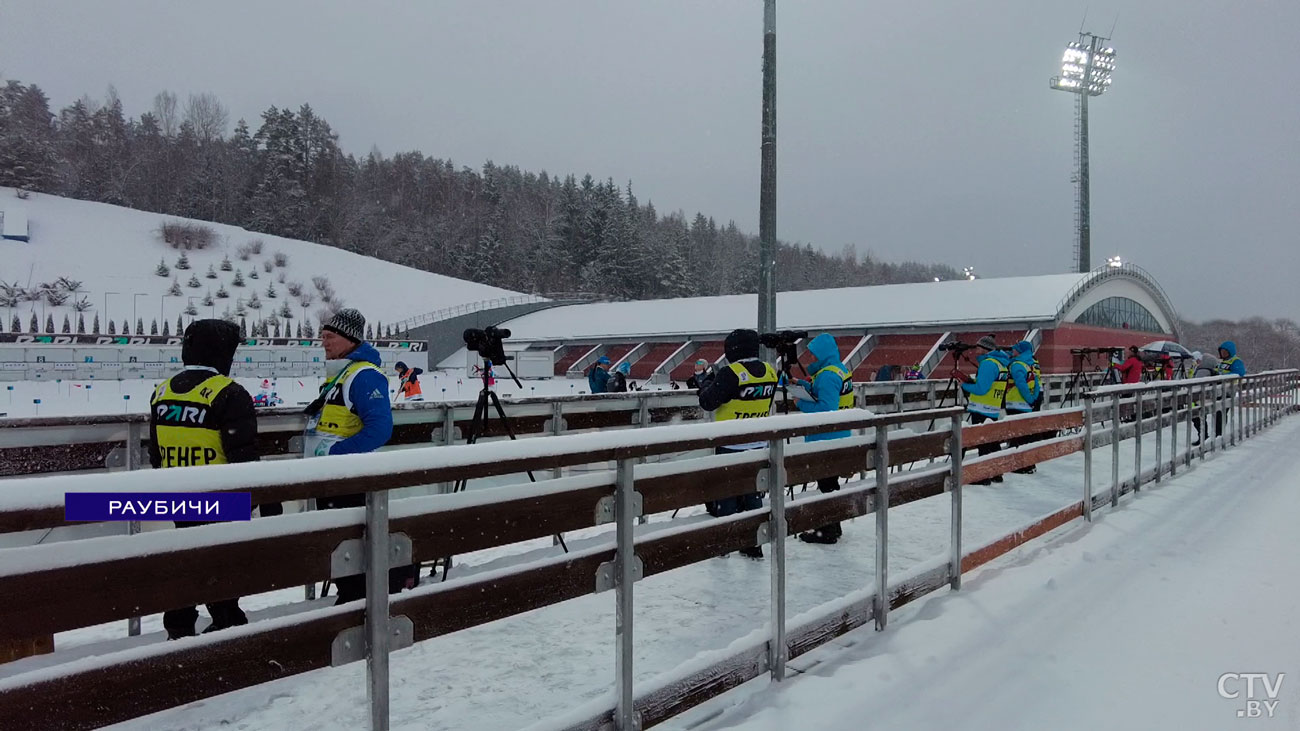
{"x":921,"y":130}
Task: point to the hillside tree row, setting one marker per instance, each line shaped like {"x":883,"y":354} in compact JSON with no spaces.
{"x":497,"y":225}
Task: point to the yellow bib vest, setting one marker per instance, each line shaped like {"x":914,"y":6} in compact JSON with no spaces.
{"x":1016,"y":401}
{"x":336,"y":416}
{"x":1225,"y":366}
{"x":990,"y":404}
{"x":846,"y":385}
{"x":756,"y":394}
{"x":185,"y":436}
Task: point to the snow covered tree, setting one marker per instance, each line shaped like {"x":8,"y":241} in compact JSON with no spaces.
{"x":277,"y":328}
{"x":270,"y":291}
{"x":240,"y":309}
{"x":15,"y":325}
{"x":238,"y":281}
{"x":67,"y":325}
{"x":370,"y":332}
{"x":222,"y":293}
{"x":194,"y":282}
{"x":175,"y":289}
{"x":180,"y":324}
{"x":139,"y":326}
{"x":294,"y":289}
{"x":307,"y":331}
{"x":126,"y":327}
{"x":225,"y":264}
{"x":81,"y":324}
{"x":254,"y":303}
{"x":243,"y":328}
{"x":28,"y":138}
{"x":35,"y":325}
{"x":190,"y":310}
{"x":286,"y":311}
{"x":252,"y":274}
{"x":153,"y":327}
{"x":212,"y":273}
{"x":166,"y":330}
{"x":94,"y":329}
{"x":183,"y":262}
{"x":207,"y":300}
{"x":112,"y":328}
{"x":267,"y":266}
{"x":49,"y":324}
{"x":162,"y":269}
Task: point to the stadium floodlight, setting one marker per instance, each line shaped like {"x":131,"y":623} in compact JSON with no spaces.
{"x":969,"y":273}
{"x":1086,"y":69}
{"x":1114,"y":262}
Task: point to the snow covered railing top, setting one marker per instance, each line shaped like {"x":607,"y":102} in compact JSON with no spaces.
{"x":28,"y":503}
{"x":1275,"y":376}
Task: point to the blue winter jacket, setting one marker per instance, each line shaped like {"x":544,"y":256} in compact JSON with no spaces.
{"x":369,"y":396}
{"x":598,"y":380}
{"x":1237,"y":367}
{"x":825,"y":386}
{"x":987,"y":374}
{"x":1019,"y":369}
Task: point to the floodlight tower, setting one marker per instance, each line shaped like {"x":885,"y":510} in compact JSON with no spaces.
{"x":1086,"y":69}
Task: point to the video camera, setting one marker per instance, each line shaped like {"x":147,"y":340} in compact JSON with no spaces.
{"x":956,"y":346}
{"x":1097,"y":351}
{"x":487,"y":343}
{"x":784,"y":342}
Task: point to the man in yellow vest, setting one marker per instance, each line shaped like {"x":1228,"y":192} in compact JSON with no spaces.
{"x":201,"y":417}
{"x":985,"y":395}
{"x":352,"y":415}
{"x":1025,"y":394}
{"x":744,"y":389}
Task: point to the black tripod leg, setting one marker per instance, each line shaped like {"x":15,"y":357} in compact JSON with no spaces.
{"x":510,"y":431}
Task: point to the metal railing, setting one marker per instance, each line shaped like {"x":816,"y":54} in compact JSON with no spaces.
{"x":1101,"y":274}
{"x":63,"y":590}
{"x":447,"y":313}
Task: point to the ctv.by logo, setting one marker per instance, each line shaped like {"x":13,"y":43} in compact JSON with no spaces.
{"x":1230,"y":687}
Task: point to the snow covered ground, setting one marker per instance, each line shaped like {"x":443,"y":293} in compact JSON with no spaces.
{"x":527,"y":668}
{"x":113,"y":251}
{"x":1125,"y":624}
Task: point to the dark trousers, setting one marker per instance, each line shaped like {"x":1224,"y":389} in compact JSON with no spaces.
{"x":225,"y":613}
{"x":735,"y":504}
{"x":976,"y":420}
{"x":352,"y":588}
{"x":1218,"y":425}
{"x":1031,"y":438}
{"x":830,"y":484}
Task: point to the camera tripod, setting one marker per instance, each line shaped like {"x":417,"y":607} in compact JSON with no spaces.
{"x":483,"y":408}
{"x":953,"y":385}
{"x":1084,"y":370}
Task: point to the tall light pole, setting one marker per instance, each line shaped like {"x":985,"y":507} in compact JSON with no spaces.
{"x":767,"y":179}
{"x":1086,"y":69}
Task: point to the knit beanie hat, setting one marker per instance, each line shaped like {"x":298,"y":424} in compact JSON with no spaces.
{"x":349,"y":323}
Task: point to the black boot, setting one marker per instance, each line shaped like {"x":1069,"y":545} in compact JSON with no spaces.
{"x":820,"y":535}
{"x":752,"y":552}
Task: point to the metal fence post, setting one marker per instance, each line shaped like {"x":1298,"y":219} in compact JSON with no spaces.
{"x":448,"y":439}
{"x":1191,"y":409}
{"x":954,"y":475}
{"x":1114,"y":451}
{"x":1087,"y":457}
{"x":1173,"y":433}
{"x":1139,"y":402}
{"x":1205,"y":425}
{"x":777,"y":650}
{"x":133,"y":444}
{"x":557,"y":428}
{"x":625,"y":716}
{"x":882,"y":526}
{"x":1160,"y":432}
{"x":377,"y":625}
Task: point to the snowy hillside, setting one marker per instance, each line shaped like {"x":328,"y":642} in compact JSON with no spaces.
{"x":114,"y":253}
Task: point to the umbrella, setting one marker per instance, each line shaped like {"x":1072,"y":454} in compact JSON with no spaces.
{"x":1168,"y":347}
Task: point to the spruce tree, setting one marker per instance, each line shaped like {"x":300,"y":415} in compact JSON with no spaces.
{"x":139,"y":326}
{"x":370,"y":333}
{"x":162,"y":269}
{"x":49,"y":324}
{"x":238,"y":281}
{"x":183,"y":262}
{"x":207,"y":300}
{"x":254,"y":303}
{"x":222,"y":293}
{"x":252,"y":273}
{"x":166,"y":331}
{"x":35,"y":324}
{"x":243,"y":328}
{"x":212,"y":273}
{"x":153,"y":327}
{"x":126,"y":327}
{"x":270,"y":291}
{"x":225,"y":264}
{"x":94,"y":329}
{"x":67,"y":325}
{"x":112,"y":328}
{"x":81,"y":324}
{"x":194,"y":282}
{"x":16,"y":325}
{"x":175,"y":289}
{"x":286,"y":312}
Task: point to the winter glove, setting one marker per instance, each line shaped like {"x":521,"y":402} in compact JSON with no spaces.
{"x":323,"y":448}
